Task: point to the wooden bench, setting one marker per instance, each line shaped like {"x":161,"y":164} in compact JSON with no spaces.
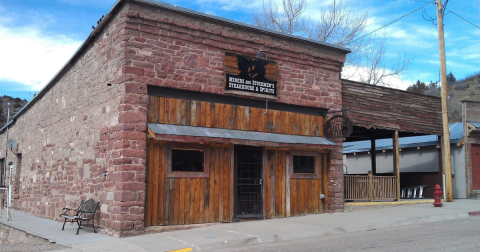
{"x":84,"y":214}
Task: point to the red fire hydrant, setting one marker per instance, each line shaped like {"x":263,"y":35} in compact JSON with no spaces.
{"x":437,"y":191}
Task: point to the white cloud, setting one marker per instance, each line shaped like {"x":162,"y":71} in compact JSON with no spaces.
{"x":30,"y":57}
{"x":359,"y":73}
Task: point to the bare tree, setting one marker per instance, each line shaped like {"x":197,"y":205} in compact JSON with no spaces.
{"x":287,"y":18}
{"x":373,"y":68}
{"x":336,"y":25}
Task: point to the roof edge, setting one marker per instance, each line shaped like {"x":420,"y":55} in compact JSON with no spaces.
{"x":396,"y":89}
{"x":470,"y":101}
{"x":239,"y":24}
{"x":67,"y":65}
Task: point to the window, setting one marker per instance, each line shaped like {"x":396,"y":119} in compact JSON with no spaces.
{"x":306,"y":164}
{"x":303,"y":164}
{"x":188,"y":160}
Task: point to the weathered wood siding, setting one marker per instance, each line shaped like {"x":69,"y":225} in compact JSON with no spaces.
{"x":304,"y":196}
{"x":178,"y":201}
{"x":392,"y":109}
{"x":216,"y":115}
{"x":275,"y":178}
{"x":182,"y":200}
{"x":286,"y":196}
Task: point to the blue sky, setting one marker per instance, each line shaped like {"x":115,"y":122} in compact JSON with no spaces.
{"x":38,"y":37}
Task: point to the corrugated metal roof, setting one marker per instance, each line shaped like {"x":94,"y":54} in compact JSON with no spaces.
{"x":180,"y":130}
{"x":456,"y":135}
{"x":475,"y":124}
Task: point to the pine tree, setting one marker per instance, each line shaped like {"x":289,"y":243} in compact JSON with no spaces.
{"x":418,"y":88}
{"x":450,"y":78}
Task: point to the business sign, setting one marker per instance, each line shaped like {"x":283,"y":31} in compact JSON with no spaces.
{"x":250,"y":75}
{"x":251,"y":85}
{"x":338,"y":127}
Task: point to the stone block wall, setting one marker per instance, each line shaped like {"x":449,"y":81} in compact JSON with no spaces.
{"x":170,"y":49}
{"x":76,"y":142}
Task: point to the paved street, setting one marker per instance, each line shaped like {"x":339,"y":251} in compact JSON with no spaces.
{"x":451,"y":235}
{"x":386,"y":229}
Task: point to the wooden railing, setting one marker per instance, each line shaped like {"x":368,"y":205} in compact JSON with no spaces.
{"x":369,"y":187}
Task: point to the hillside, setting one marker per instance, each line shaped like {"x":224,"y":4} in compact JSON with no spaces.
{"x":465,"y":89}
{"x":15,"y":105}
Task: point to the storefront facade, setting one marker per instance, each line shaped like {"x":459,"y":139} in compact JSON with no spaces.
{"x":169,"y":116}
{"x":210,"y":161}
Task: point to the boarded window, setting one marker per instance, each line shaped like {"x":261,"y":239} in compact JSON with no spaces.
{"x":303,"y":164}
{"x":188,"y":160}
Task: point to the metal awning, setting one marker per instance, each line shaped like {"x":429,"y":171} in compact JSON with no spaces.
{"x":159,"y":130}
{"x":475,"y":124}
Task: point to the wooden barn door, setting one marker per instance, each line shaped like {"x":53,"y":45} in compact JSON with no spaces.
{"x":248,"y":182}
{"x":476,"y":167}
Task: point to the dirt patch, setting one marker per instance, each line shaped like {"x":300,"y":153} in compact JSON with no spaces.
{"x":12,"y":239}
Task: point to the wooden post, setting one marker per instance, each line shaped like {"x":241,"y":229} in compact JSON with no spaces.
{"x":373,"y":156}
{"x":370,"y":186}
{"x":442,"y":167}
{"x":287,"y":184}
{"x":446,"y":131}
{"x":396,"y":162}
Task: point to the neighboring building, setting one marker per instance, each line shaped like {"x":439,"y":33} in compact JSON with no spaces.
{"x":420,"y":162}
{"x":471,"y":126}
{"x":145,"y":118}
{"x":376,"y":113}
{"x":420,"y":158}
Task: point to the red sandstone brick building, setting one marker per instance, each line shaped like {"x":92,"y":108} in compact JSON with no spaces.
{"x":141,"y":119}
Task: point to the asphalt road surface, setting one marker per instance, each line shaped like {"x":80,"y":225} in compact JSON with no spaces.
{"x":453,"y":235}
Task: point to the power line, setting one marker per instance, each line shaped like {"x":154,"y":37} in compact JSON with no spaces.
{"x":392,"y":22}
{"x":463,"y":18}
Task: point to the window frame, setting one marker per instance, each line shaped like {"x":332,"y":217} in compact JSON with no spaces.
{"x":188,"y":146}
{"x":317,"y":165}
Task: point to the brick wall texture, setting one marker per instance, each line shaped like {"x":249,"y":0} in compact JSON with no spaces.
{"x":82,"y":129}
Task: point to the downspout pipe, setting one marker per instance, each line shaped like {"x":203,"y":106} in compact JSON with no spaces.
{"x":4,"y":168}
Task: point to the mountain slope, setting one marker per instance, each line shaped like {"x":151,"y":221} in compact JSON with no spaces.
{"x":15,"y":105}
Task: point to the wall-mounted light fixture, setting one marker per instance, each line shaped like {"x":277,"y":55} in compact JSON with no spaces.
{"x":261,"y":54}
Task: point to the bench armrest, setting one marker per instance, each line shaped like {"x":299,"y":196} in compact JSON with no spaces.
{"x":66,"y":210}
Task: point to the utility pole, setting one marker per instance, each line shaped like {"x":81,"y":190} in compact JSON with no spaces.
{"x":447,"y":164}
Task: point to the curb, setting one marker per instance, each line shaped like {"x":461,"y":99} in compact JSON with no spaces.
{"x":392,"y":203}
{"x":332,"y":231}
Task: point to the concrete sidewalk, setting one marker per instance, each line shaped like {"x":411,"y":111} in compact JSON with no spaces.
{"x":248,"y":233}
